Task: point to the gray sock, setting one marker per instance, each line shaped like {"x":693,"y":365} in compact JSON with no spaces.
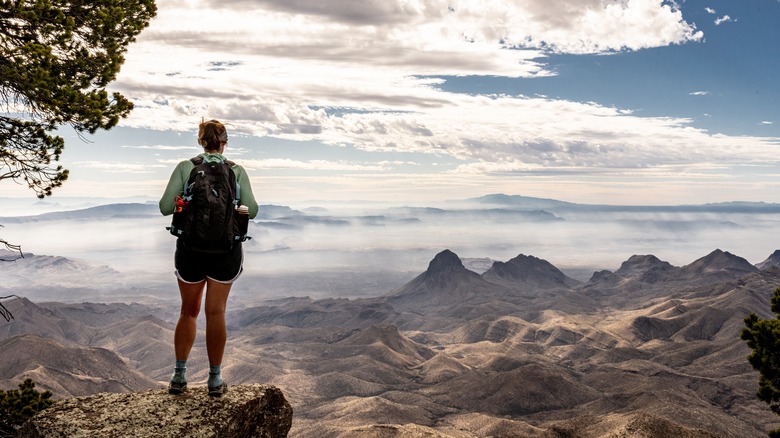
{"x":215,"y":376}
{"x":180,"y":372}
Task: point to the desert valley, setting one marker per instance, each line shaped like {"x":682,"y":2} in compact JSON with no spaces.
{"x":462,"y":347}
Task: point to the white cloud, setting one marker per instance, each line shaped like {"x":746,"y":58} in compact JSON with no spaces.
{"x":582,"y":26}
{"x":344,"y":73}
{"x":699,"y":93}
{"x":767,"y":122}
{"x":710,"y":11}
{"x":594,"y":26}
{"x":722,"y":19}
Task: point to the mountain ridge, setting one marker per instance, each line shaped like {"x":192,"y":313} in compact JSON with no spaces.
{"x":68,"y":369}
{"x":544,"y":208}
{"x":520,"y":201}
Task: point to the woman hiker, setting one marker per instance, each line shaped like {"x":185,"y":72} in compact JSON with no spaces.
{"x":203,"y":260}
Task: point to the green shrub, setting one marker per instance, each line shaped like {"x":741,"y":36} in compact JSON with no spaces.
{"x":763,"y":337}
{"x":17,"y":405}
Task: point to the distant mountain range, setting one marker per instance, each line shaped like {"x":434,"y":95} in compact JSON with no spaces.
{"x":101,"y":211}
{"x":650,"y":349}
{"x":517,"y":201}
{"x":508,"y":207}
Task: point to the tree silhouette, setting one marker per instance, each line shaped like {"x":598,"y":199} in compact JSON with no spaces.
{"x":763,"y":337}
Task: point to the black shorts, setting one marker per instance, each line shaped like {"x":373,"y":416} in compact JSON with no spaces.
{"x":194,"y":267}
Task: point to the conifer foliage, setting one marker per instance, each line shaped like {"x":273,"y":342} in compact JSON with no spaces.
{"x":763,"y":337}
{"x":17,"y":405}
{"x":56,"y":59}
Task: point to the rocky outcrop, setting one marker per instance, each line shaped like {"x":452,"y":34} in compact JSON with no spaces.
{"x":244,"y":411}
{"x":529,"y":272}
{"x":446,"y":282}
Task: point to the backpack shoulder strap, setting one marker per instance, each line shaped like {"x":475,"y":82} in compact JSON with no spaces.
{"x":231,"y":165}
{"x":196,"y":161}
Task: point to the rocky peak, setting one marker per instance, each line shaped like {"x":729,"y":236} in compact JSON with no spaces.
{"x":445,"y":282}
{"x":446,"y":270}
{"x":772,"y":260}
{"x":646,"y":269}
{"x":721,"y":260}
{"x":716,"y":266}
{"x":529,"y":271}
{"x":602,"y":277}
{"x":445,"y":261}
{"x":244,"y":411}
{"x":640,"y":264}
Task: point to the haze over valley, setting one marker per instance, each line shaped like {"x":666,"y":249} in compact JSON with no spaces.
{"x":326,"y":249}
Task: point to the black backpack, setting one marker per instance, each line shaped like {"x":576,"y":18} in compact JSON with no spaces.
{"x":205,"y":219}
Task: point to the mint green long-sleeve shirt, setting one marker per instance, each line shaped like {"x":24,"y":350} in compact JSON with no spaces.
{"x":181,"y":174}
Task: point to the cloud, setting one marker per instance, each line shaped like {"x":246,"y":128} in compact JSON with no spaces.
{"x":595,"y":26}
{"x":767,"y":122}
{"x":541,"y":132}
{"x":325,"y":165}
{"x":159,"y":147}
{"x":722,"y":19}
{"x":368,"y":75}
{"x":572,"y":27}
{"x":420,"y":37}
{"x":414,"y":118}
{"x":699,"y":93}
{"x":120,"y":167}
{"x":353,"y":12}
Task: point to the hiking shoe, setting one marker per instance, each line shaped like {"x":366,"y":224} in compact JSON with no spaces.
{"x":176,"y":388}
{"x":217,"y":391}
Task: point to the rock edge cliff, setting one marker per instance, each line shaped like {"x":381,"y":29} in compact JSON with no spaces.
{"x":244,"y":411}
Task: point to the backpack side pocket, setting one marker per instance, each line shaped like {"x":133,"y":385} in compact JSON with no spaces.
{"x":178,"y":224}
{"x":242,"y":227}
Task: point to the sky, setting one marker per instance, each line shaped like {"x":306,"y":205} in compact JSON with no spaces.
{"x":419,"y":101}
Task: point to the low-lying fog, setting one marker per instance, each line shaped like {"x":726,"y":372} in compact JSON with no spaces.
{"x":348,"y":251}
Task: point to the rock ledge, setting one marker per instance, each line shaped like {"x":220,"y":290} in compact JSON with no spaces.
{"x":244,"y":411}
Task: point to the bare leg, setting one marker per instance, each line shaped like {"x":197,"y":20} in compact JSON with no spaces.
{"x":184,"y":336}
{"x":216,"y":334}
